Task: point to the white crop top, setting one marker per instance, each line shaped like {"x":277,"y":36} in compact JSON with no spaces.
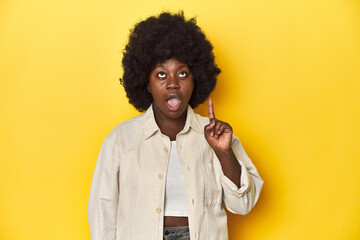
{"x":175,"y":196}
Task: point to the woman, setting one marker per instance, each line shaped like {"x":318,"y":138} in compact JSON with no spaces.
{"x":166,"y":173}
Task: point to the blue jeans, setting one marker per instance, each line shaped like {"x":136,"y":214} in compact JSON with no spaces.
{"x":176,"y":233}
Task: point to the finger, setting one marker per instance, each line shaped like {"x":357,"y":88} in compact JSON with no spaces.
{"x":225,"y":127}
{"x":211,"y":124}
{"x":209,"y":131}
{"x":211,"y":109}
{"x":212,"y":127}
{"x":220,"y":129}
{"x":217,"y":127}
{"x":212,"y":132}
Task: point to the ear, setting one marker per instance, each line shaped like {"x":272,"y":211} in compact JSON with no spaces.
{"x":148,"y":87}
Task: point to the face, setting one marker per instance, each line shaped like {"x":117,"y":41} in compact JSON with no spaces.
{"x":171,"y":85}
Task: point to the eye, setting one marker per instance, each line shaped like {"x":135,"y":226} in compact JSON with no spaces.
{"x":183,"y":74}
{"x":161,"y":75}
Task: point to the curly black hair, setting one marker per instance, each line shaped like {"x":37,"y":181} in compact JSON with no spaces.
{"x":158,"y":39}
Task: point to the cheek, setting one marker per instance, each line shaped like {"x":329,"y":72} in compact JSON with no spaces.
{"x":191,"y":87}
{"x":152,"y":87}
{"x":192,"y":90}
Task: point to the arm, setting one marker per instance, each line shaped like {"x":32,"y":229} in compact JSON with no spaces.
{"x":241,"y":199}
{"x":103,"y":199}
{"x":230,"y":165}
{"x":240,"y":180}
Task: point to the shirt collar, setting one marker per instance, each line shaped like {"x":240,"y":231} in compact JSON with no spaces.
{"x":150,"y":125}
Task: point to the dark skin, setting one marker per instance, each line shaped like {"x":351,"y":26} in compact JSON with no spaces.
{"x":171,"y":85}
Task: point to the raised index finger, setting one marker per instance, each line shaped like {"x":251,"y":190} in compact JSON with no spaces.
{"x":211,"y":109}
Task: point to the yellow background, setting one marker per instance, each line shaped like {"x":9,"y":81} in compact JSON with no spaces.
{"x":289,"y":87}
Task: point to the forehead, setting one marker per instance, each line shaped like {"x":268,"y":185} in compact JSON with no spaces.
{"x":171,"y":63}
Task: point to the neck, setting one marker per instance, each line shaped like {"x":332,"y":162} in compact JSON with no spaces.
{"x":169,"y":126}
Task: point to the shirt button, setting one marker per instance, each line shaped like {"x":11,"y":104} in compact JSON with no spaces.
{"x":192,"y":201}
{"x":158,"y":210}
{"x":165,"y":150}
{"x":188,"y":168}
{"x":180,"y":147}
{"x":160,"y":176}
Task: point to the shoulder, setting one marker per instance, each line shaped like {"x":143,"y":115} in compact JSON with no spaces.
{"x":129,"y":124}
{"x":127,"y":130}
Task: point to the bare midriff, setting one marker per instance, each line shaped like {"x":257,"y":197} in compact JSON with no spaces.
{"x":175,"y":221}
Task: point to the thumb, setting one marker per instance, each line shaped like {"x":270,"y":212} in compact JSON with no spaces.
{"x":211,"y":124}
{"x":209,"y":129}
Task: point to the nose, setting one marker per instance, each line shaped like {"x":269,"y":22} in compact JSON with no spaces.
{"x":172,"y":82}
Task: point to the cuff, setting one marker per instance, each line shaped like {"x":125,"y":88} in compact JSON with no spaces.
{"x":231,"y":187}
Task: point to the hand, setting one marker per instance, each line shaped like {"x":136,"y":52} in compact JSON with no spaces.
{"x":217,"y":133}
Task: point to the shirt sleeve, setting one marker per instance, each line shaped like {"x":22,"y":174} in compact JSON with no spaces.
{"x":104,"y":192}
{"x":242,"y":200}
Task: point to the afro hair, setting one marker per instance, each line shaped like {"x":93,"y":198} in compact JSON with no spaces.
{"x":158,"y":39}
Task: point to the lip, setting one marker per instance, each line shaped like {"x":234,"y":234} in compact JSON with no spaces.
{"x":170,"y":96}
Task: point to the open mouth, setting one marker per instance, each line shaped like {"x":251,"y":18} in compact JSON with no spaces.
{"x":173,"y":103}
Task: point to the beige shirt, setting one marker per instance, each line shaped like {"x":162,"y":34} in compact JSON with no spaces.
{"x":127,"y":192}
